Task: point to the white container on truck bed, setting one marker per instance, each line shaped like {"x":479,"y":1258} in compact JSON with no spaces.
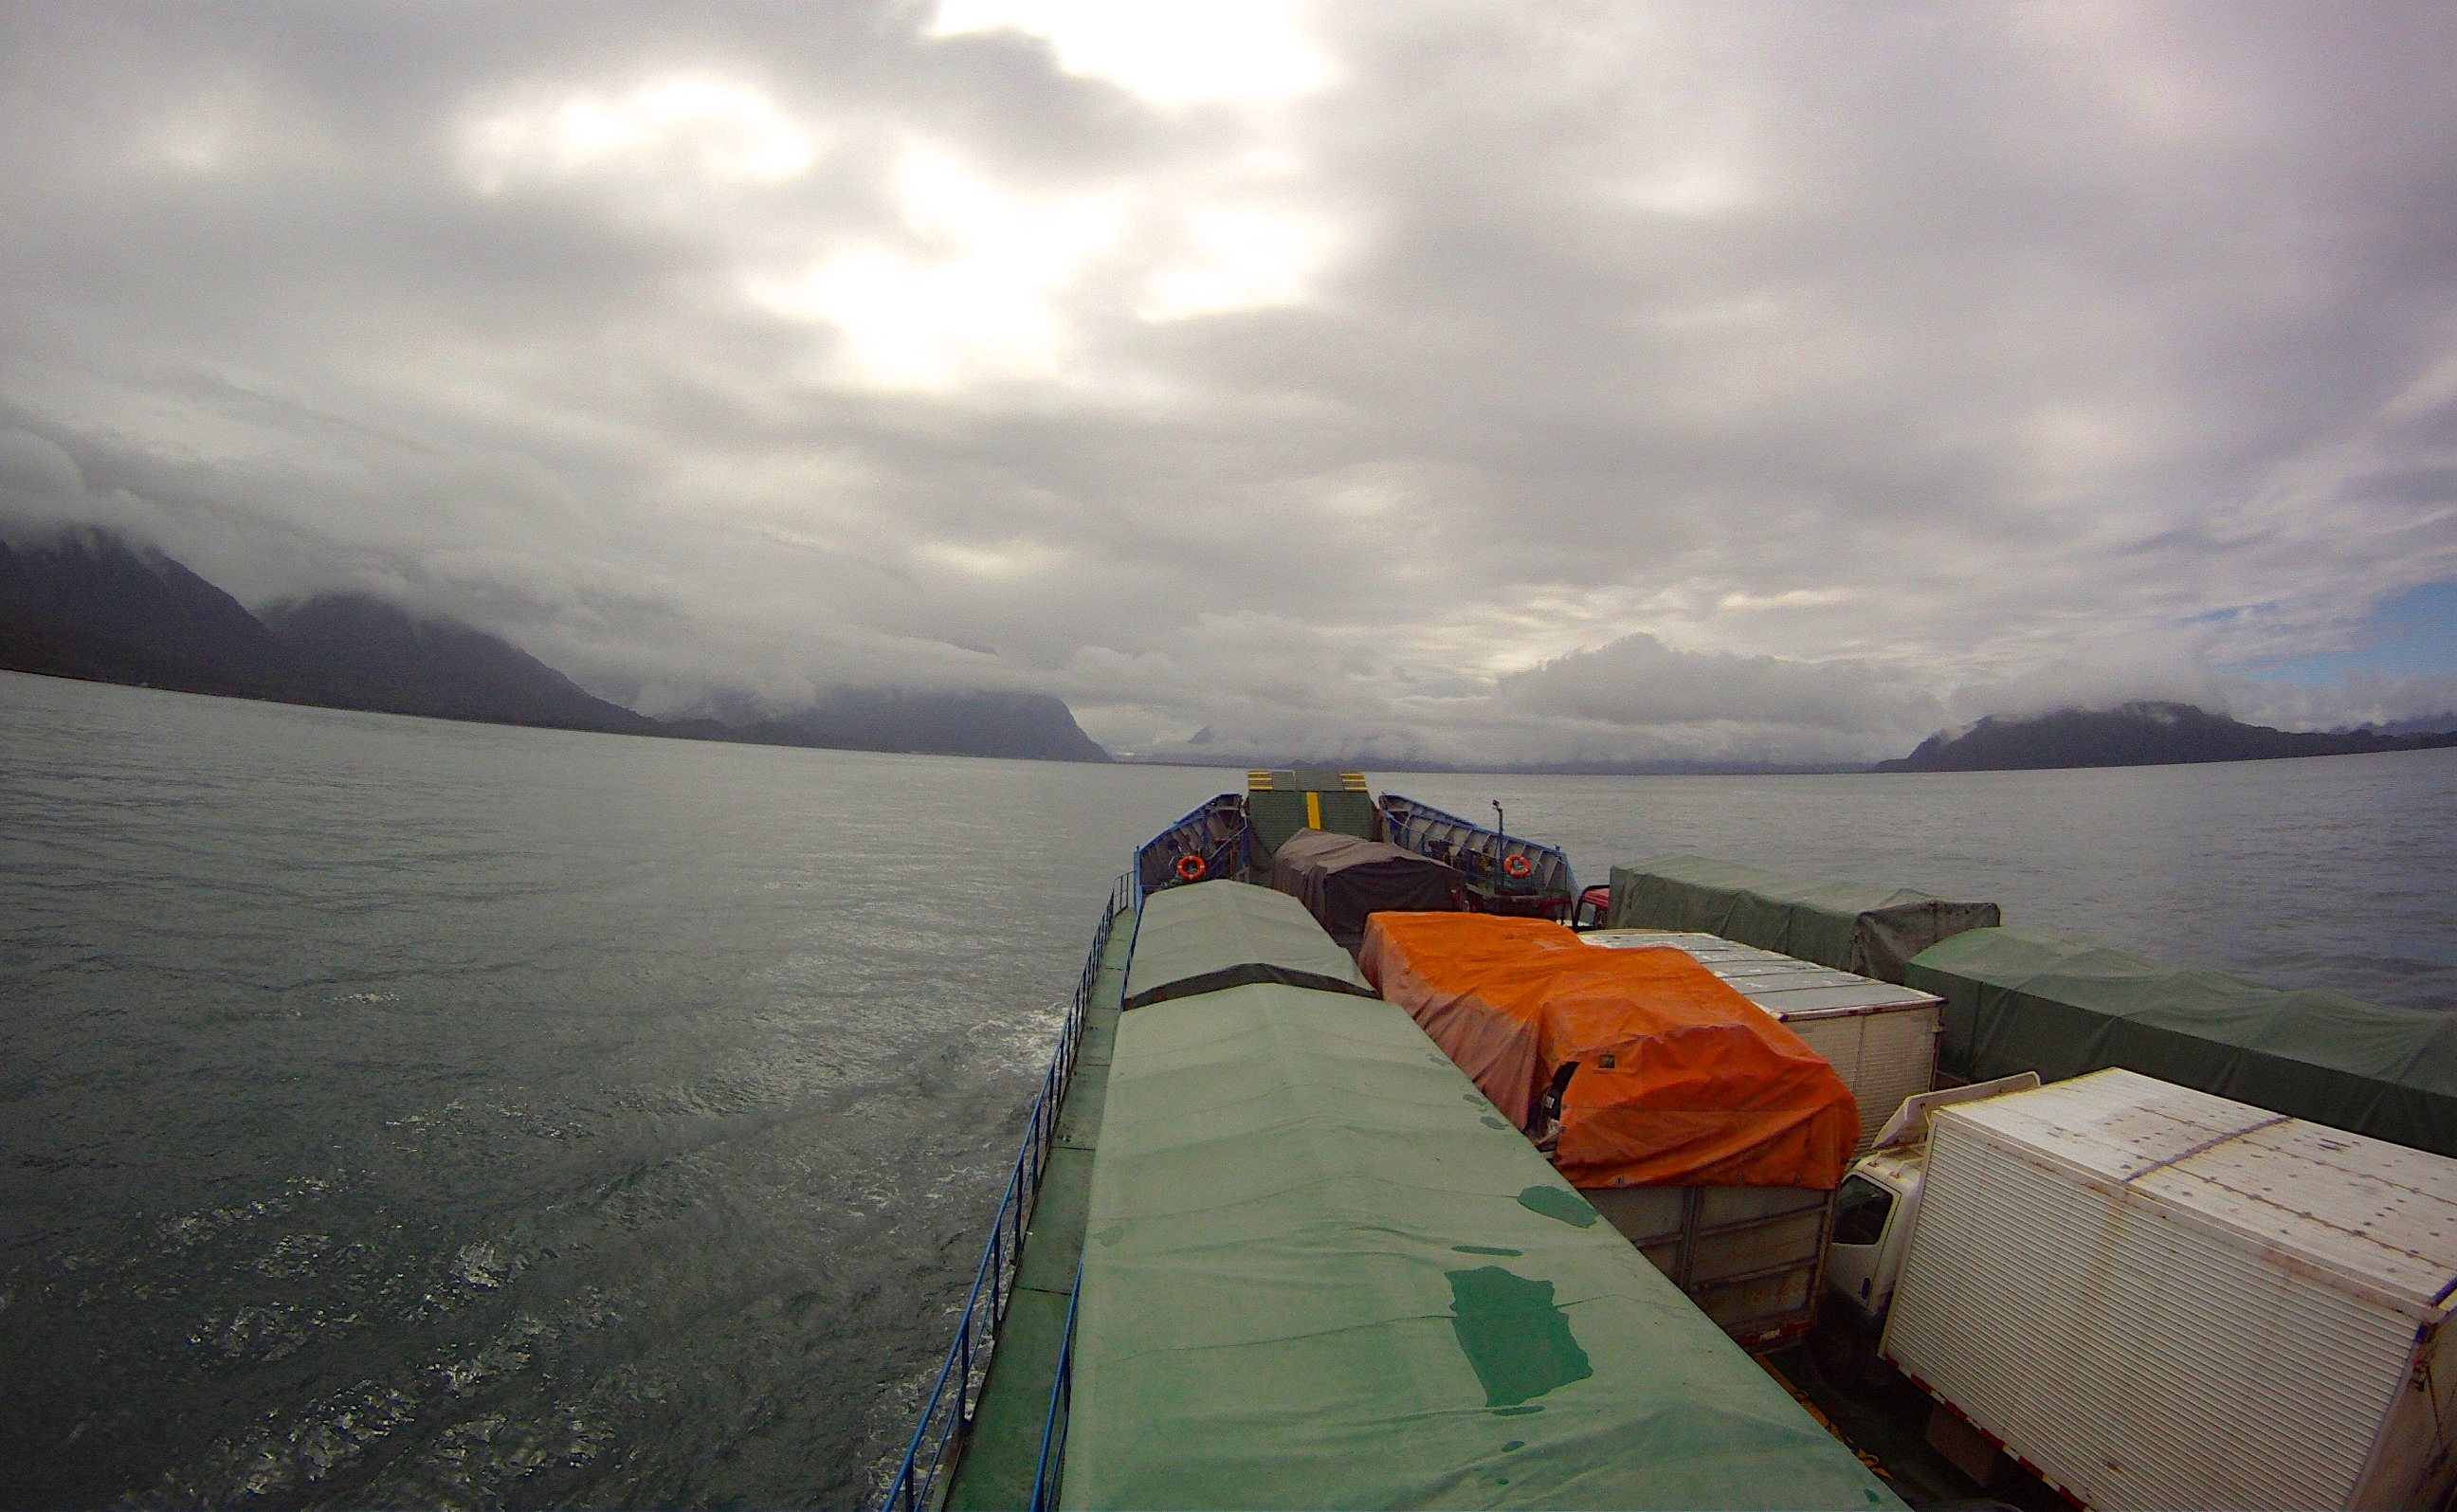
{"x":2156,"y":1297}
{"x":1880,"y":1037}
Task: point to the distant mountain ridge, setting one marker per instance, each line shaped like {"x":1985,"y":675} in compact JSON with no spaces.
{"x":396,"y":664}
{"x":90,"y":605}
{"x":2140,"y":735}
{"x":948,"y":724}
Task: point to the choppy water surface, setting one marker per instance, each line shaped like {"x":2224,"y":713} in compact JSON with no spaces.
{"x":407,"y":1113}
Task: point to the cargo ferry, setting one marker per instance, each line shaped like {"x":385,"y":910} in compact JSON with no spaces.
{"x":1380,"y":1163}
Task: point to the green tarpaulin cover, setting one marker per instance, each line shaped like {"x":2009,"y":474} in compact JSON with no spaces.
{"x":1214,"y":934}
{"x":1851,"y":927}
{"x":1321,"y":1271}
{"x":2029,"y":999}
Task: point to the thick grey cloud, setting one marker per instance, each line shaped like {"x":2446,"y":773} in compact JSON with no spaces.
{"x":1454,"y":381}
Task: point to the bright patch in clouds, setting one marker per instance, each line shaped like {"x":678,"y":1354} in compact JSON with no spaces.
{"x":1171,"y":54}
{"x":976,"y":284}
{"x":698,"y":126}
{"x":968,"y":293}
{"x":1242,"y":259}
{"x":1013,"y":559}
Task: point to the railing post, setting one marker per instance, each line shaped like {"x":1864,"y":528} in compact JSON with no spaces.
{"x":1061,"y":1388}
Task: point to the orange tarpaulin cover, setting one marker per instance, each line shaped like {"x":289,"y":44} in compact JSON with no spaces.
{"x":1704,"y":1088}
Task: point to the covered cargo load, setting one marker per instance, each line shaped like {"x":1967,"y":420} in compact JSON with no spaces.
{"x":1879,"y":1037}
{"x":1711,"y":1137}
{"x":2160,"y":1298}
{"x":2029,"y":999}
{"x":1681,"y":1081}
{"x":1213,"y":935}
{"x":1851,"y":927}
{"x":1321,"y":1271}
{"x":1341,"y":878}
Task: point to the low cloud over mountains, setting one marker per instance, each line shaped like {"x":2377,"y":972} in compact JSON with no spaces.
{"x":86,"y":604}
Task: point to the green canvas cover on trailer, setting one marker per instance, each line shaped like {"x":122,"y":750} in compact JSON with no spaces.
{"x":2029,"y":1000}
{"x":1853,"y":926}
{"x":1212,"y":935}
{"x":1321,"y":1270}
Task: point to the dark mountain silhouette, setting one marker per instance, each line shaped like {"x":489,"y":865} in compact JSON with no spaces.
{"x":90,"y":605}
{"x":1009,"y":724}
{"x":386,"y":661}
{"x":2136,"y":734}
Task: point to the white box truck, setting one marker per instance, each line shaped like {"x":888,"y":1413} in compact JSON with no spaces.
{"x":2155,"y":1298}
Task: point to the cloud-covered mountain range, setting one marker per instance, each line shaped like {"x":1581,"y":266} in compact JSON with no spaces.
{"x":1450,"y":382}
{"x":89,"y":605}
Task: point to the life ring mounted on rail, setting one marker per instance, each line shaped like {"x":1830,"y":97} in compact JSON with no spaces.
{"x":1517,"y":866}
{"x":1191,"y":868}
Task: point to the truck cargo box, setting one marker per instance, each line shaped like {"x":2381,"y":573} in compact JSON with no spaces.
{"x":1704,"y":1130}
{"x":1341,"y":878}
{"x":1880,"y":1038}
{"x":1751,"y":1259}
{"x":1321,"y":1273}
{"x":1849,"y":925}
{"x":2157,"y":1298}
{"x":2034,"y":1000}
{"x":1194,"y":940}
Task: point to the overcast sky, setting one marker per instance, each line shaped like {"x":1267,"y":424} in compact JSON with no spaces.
{"x":1464,"y":381}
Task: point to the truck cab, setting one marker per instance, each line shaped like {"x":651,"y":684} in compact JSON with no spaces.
{"x":1872,"y":1227}
{"x":1879,"y":1201}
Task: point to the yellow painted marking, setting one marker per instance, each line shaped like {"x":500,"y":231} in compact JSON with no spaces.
{"x":1314,"y":810}
{"x":1822,"y":1420}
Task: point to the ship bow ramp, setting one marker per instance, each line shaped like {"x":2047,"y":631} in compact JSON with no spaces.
{"x":1320,"y":1270}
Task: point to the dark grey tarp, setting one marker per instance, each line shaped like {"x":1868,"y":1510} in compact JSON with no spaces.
{"x":1224,"y":934}
{"x":1851,"y":927}
{"x":2028,"y":1000}
{"x":1341,"y":878}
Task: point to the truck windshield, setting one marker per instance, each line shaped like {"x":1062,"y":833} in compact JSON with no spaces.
{"x":1860,"y":1211}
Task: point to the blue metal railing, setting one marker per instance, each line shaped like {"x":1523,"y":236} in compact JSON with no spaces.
{"x":1477,"y":849}
{"x":1045,"y":1476}
{"x":1216,"y":831}
{"x":948,"y":1413}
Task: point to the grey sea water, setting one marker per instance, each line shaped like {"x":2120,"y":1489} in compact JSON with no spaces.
{"x":404,"y":1113}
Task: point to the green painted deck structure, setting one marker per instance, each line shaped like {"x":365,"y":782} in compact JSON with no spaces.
{"x":1005,"y":1447}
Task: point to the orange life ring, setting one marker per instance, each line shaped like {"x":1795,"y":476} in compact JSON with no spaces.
{"x":1519,"y":866}
{"x":1190,"y":868}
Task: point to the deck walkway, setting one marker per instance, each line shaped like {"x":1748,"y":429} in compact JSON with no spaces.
{"x":1005,"y":1447}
